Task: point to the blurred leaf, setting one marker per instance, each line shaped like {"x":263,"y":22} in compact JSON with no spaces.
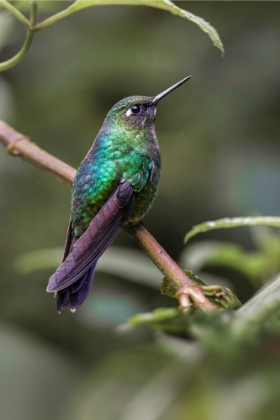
{"x":268,"y":242}
{"x":195,"y":254}
{"x":38,"y":260}
{"x":212,"y":279}
{"x":265,"y":302}
{"x":6,"y":27}
{"x":32,"y":374}
{"x":126,"y":263}
{"x":231,"y":223}
{"x":137,"y":383}
{"x":148,"y":382}
{"x":254,"y":265}
{"x":257,"y":265}
{"x":165,"y":387}
{"x":247,"y":394}
{"x":167,"y":5}
{"x":172,"y":320}
{"x":131,"y":265}
{"x":169,"y":320}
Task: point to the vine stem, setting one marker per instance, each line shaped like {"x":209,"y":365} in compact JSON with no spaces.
{"x":29,"y":35}
{"x":15,"y":12}
{"x":19,"y":145}
{"x":54,"y":18}
{"x":75,"y":7}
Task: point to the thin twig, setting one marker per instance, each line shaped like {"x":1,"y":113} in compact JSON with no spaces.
{"x":54,"y":18}
{"x":28,"y":40}
{"x":7,"y":5}
{"x":19,"y":145}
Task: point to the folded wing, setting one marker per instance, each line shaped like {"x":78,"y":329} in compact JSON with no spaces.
{"x":102,"y":230}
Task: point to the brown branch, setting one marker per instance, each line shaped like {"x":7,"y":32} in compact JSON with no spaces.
{"x":19,"y":145}
{"x":158,"y":255}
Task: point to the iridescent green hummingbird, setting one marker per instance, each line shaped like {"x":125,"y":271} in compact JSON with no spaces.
{"x":115,"y":185}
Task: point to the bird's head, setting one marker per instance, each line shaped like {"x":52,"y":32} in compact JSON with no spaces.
{"x":138,"y":111}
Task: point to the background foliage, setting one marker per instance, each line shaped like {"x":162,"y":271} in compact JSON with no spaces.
{"x":219,"y":141}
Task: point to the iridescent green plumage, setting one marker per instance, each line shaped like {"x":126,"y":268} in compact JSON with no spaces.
{"x":126,"y":148}
{"x":115,"y":184}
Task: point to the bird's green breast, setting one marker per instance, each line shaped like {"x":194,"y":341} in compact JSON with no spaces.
{"x":115,"y":155}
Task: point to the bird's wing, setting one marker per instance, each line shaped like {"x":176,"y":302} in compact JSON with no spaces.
{"x":69,"y":240}
{"x":102,"y":230}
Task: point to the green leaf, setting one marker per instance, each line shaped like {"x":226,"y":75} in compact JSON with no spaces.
{"x":167,"y":5}
{"x":267,"y":300}
{"x":255,"y":265}
{"x":203,"y":25}
{"x":260,"y":316}
{"x":258,"y":265}
{"x":231,"y":223}
{"x":169,"y":320}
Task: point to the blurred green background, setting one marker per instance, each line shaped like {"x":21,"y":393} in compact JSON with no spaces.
{"x":219,"y":139}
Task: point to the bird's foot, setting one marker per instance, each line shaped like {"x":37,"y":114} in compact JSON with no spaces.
{"x":193,"y":295}
{"x":197,"y":296}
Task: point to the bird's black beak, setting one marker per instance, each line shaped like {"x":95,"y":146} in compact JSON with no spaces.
{"x":167,"y":91}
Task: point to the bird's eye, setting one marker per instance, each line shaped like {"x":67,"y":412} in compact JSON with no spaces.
{"x":135,"y":109}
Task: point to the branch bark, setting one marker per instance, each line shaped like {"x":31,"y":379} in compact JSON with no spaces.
{"x":19,"y":145}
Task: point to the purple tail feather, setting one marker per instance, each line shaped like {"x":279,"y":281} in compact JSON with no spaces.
{"x":72,"y":280}
{"x":75,"y":294}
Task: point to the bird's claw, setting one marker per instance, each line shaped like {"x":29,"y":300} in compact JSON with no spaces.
{"x":193,"y":295}
{"x":214,"y":291}
{"x":197,"y":296}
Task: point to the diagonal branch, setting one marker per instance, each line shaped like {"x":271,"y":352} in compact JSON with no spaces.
{"x":19,"y":145}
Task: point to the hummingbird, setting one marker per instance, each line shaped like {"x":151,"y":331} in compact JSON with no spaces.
{"x":115,"y":185}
